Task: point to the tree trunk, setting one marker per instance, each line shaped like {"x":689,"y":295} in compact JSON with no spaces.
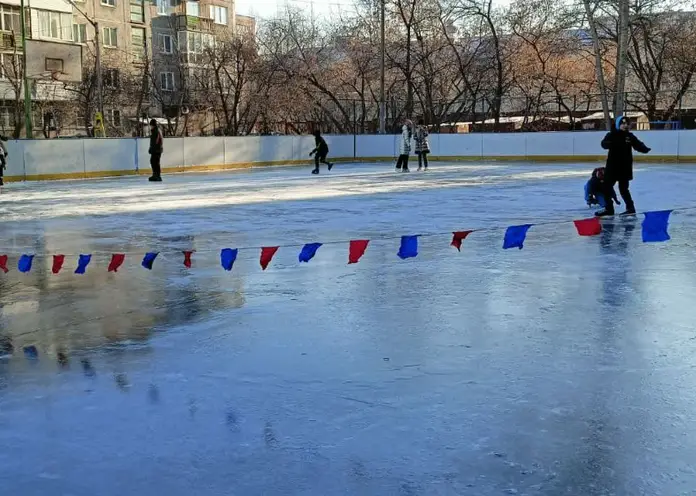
{"x":620,"y":90}
{"x":598,"y":63}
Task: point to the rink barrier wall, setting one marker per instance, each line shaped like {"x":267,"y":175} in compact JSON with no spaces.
{"x":108,"y":157}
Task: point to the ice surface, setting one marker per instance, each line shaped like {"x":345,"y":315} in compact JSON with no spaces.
{"x":563,"y":368}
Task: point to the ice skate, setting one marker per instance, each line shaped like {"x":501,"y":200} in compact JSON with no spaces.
{"x":627,"y":213}
{"x":155,"y":179}
{"x":604,"y":213}
{"x":419,"y":169}
{"x":315,"y":171}
{"x":330,"y":165}
{"x":405,"y":169}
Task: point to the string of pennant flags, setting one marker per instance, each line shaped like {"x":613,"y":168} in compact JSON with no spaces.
{"x":654,"y":229}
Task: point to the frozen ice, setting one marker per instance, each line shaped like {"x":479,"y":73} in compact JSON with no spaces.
{"x":562,"y":368}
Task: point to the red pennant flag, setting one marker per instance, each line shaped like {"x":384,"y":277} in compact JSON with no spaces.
{"x":267,"y":254}
{"x":458,"y":237}
{"x":58,"y":261}
{"x":3,"y":263}
{"x":588,"y":227}
{"x":116,"y":261}
{"x":187,"y":259}
{"x":357,"y":249}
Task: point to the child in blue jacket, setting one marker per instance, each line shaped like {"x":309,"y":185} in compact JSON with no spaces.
{"x":594,"y":189}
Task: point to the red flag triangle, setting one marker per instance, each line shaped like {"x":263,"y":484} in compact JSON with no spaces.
{"x":187,"y":259}
{"x":588,"y":227}
{"x":356,"y":250}
{"x":58,"y":261}
{"x":267,"y":254}
{"x":3,"y":264}
{"x":116,"y":261}
{"x":458,"y":237}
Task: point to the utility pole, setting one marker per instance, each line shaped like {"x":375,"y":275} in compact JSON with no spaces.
{"x":619,"y":96}
{"x":382,"y":102}
{"x":97,"y":56}
{"x":25,"y":80}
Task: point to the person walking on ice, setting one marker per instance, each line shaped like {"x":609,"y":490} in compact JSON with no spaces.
{"x":422,"y":145}
{"x":156,"y":149}
{"x":620,"y":143}
{"x":404,"y":146}
{"x":3,"y":160}
{"x":320,"y":152}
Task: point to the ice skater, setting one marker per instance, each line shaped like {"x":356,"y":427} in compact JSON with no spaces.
{"x":404,"y":146}
{"x":320,"y":152}
{"x":594,"y":189}
{"x":156,"y":149}
{"x":620,"y":142}
{"x":3,"y":160}
{"x":422,"y":145}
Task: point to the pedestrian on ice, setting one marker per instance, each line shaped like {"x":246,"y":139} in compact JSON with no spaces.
{"x":320,"y":152}
{"x":156,"y":149}
{"x":422,"y":145}
{"x":3,"y":158}
{"x":404,"y":145}
{"x":594,"y":189}
{"x":620,"y":143}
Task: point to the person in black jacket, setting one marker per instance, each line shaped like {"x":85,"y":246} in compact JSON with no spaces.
{"x":156,"y":149}
{"x":321,"y":151}
{"x":619,"y":168}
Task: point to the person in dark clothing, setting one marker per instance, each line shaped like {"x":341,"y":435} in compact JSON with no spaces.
{"x":620,"y":142}
{"x":3,"y":160}
{"x":594,"y":189}
{"x":156,"y":149}
{"x":320,"y":152}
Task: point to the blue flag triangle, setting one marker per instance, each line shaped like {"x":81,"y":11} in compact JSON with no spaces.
{"x":82,"y":264}
{"x":227,"y":258}
{"x":655,"y":226}
{"x":308,"y":251}
{"x":409,"y":247}
{"x":149,"y":259}
{"x":24,"y":263}
{"x":515,"y":235}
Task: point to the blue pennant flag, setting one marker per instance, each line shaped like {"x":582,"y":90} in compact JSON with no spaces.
{"x":31,"y":352}
{"x":227,"y":258}
{"x":655,"y":226}
{"x":149,"y":259}
{"x":409,"y":247}
{"x":515,"y":235}
{"x":82,"y":264}
{"x":308,"y":251}
{"x":24,"y":264}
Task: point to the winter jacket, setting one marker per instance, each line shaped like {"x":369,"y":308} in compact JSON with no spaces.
{"x":321,"y":147}
{"x":421,"y":138}
{"x":156,"y":142}
{"x":620,"y":157}
{"x":405,"y":142}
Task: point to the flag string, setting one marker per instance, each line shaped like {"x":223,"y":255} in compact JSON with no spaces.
{"x":171,"y":250}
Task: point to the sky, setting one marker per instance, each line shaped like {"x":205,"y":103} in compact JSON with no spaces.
{"x":324,"y":8}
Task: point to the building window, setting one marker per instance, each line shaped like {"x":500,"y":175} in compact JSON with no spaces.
{"x":193,"y":44}
{"x":113,"y":116}
{"x":9,"y":65}
{"x":10,"y":18}
{"x":162,"y":7}
{"x":110,"y":3}
{"x":166,"y":43}
{"x":111,"y":78}
{"x":137,"y":11}
{"x":55,"y":25}
{"x":110,"y":37}
{"x":193,"y":9}
{"x":79,"y":33}
{"x":138,"y":43}
{"x":54,"y":65}
{"x":167,"y":81}
{"x":218,"y":14}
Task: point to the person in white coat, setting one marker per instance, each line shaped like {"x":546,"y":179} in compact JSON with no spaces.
{"x":404,"y":146}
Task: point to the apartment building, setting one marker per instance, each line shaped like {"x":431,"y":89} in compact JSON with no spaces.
{"x":52,"y":60}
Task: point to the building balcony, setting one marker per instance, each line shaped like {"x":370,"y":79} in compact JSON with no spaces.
{"x":190,"y":23}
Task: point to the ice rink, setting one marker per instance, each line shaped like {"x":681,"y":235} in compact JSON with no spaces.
{"x":567,"y":367}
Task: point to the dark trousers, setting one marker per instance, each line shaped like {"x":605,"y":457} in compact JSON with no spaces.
{"x":319,"y":158}
{"x":623,"y":190}
{"x":402,"y":161}
{"x":155,"y":164}
{"x":422,"y":158}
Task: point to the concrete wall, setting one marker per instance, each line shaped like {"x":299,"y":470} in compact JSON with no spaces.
{"x":75,"y":158}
